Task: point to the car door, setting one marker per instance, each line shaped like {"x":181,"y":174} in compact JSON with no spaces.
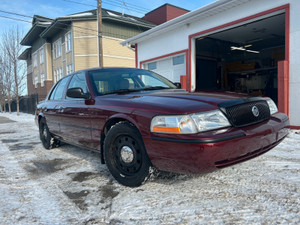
{"x":51,"y":108}
{"x":76,"y":125}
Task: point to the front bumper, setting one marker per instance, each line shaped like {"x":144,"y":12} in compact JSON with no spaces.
{"x":206,"y":152}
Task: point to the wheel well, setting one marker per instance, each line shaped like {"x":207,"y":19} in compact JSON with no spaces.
{"x":109,"y":125}
{"x":112,"y":122}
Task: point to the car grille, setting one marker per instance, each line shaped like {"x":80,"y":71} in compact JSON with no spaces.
{"x":242,"y":114}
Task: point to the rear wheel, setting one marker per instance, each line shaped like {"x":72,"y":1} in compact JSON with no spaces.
{"x":125,"y":155}
{"x":45,"y":135}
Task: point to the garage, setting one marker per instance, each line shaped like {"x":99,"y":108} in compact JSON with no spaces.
{"x":246,"y":46}
{"x":243,"y":58}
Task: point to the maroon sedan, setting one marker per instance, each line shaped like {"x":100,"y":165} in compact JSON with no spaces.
{"x":138,"y":120}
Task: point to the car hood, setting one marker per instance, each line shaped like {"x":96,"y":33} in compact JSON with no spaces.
{"x":174,"y":101}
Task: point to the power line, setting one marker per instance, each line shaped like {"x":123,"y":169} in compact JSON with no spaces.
{"x":131,"y":13}
{"x":108,"y":3}
{"x":121,"y":6}
{"x":6,"y":17}
{"x":118,"y":4}
{"x":61,"y":23}
{"x":79,"y":3}
{"x":121,"y":2}
{"x":62,"y":26}
{"x":15,"y":13}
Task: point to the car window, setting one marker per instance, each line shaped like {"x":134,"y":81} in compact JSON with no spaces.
{"x":78,"y":81}
{"x":112,"y":81}
{"x":58,"y":91}
{"x":151,"y":81}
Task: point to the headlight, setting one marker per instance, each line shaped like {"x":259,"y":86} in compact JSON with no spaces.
{"x":173,"y":124}
{"x":189,"y":124}
{"x":210,"y":120}
{"x":272,"y":106}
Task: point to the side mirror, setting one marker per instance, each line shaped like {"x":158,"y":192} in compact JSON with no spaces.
{"x":77,"y":93}
{"x":178,"y":85}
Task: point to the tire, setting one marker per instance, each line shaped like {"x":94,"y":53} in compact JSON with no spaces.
{"x":125,"y":155}
{"x":45,"y":135}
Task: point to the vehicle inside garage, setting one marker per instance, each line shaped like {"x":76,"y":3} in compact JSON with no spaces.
{"x":243,"y":58}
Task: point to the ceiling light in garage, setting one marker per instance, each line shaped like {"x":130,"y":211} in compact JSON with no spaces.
{"x":243,"y":48}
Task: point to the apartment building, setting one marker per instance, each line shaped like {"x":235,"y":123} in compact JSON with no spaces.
{"x":65,"y":44}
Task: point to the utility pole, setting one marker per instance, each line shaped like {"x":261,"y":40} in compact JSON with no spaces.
{"x":99,"y":17}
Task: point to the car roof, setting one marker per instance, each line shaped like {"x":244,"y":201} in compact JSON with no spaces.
{"x":111,"y":68}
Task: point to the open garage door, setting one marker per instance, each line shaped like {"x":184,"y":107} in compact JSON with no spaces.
{"x":244,"y":58}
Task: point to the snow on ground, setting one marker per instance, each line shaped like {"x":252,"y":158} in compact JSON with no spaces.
{"x":68,"y":185}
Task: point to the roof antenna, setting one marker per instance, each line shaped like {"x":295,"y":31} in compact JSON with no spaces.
{"x":124,"y":3}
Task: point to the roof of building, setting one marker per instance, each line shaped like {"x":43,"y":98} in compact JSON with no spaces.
{"x":46,"y":27}
{"x":39,"y":23}
{"x":61,"y":23}
{"x":167,"y":4}
{"x":24,"y":55}
{"x":198,"y":14}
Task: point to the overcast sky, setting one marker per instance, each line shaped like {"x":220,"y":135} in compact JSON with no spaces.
{"x":56,"y":8}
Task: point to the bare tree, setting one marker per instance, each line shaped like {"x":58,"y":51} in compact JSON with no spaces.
{"x":2,"y":98}
{"x":7,"y":80}
{"x":14,"y":70}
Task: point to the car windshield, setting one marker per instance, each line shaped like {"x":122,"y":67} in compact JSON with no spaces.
{"x":109,"y":81}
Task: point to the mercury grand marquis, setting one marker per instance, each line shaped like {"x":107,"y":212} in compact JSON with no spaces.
{"x":139,"y":121}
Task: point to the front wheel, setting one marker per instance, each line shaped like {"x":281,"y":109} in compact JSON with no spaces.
{"x":125,"y":155}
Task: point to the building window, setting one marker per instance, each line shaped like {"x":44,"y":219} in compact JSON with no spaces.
{"x":69,"y":68}
{"x":68,"y":39}
{"x":152,"y":66}
{"x":35,"y":60}
{"x":36,"y":80}
{"x":42,"y":79}
{"x":58,"y":74}
{"x":55,"y":76}
{"x":57,"y":48}
{"x":42,"y":56}
{"x":178,"y":60}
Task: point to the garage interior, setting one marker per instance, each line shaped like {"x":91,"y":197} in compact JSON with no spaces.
{"x":244,"y":58}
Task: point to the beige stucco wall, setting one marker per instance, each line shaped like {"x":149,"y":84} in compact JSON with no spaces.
{"x":48,"y":60}
{"x":85,"y":28}
{"x":85,"y":45}
{"x":117,"y":55}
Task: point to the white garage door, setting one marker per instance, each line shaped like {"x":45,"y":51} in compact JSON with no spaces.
{"x":171,"y":68}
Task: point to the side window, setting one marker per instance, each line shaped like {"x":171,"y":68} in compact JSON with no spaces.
{"x":58,"y":91}
{"x":78,"y":81}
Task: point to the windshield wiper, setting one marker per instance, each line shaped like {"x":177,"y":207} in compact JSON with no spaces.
{"x":155,"y":88}
{"x":121,"y":91}
{"x":135,"y":90}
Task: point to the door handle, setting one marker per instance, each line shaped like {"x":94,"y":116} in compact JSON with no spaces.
{"x":59,"y":108}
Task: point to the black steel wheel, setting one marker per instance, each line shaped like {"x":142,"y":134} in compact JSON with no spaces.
{"x":45,"y":135}
{"x":125,"y":155}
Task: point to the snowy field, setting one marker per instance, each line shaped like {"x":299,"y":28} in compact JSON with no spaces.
{"x":68,"y":185}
